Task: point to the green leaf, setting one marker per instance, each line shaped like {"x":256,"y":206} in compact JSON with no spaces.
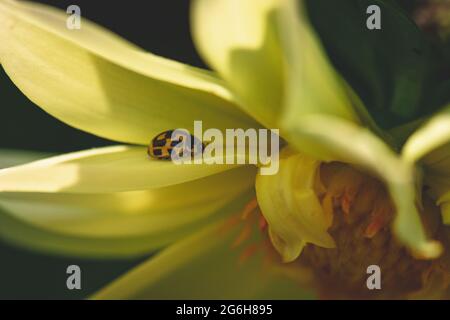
{"x":390,"y":69}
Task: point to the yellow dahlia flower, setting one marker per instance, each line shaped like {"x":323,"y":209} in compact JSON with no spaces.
{"x":363,"y":177}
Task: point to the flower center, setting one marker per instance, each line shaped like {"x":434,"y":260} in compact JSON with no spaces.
{"x":362,"y":211}
{"x":335,"y":220}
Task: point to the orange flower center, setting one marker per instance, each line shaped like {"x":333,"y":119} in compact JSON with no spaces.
{"x":361,"y":212}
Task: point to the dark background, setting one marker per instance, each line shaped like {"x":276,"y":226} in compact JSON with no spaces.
{"x":161,"y":27}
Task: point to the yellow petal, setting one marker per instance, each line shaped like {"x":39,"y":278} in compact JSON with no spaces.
{"x":102,"y":170}
{"x":291,"y":207}
{"x":430,"y":137}
{"x":129,"y":213}
{"x":331,"y":138}
{"x":158,"y":216}
{"x":430,"y":146}
{"x":204,"y":266}
{"x":313,"y":86}
{"x":239,"y":39}
{"x":97,"y":82}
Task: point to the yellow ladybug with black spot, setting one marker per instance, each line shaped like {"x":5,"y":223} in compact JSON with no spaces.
{"x":167,"y":144}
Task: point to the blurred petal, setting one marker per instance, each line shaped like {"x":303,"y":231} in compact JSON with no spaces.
{"x":430,"y":145}
{"x":115,"y":245}
{"x":330,"y":138}
{"x":204,"y":266}
{"x":9,"y":158}
{"x":102,"y":170}
{"x":160,"y":216}
{"x":430,"y":137}
{"x":313,"y":86}
{"x":97,"y":82}
{"x":129,"y":213}
{"x":239,"y":39}
{"x":291,"y":207}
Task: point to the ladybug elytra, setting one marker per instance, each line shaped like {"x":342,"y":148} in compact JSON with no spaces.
{"x":170,"y":143}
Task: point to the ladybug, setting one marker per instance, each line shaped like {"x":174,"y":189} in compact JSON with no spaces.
{"x":164,"y":144}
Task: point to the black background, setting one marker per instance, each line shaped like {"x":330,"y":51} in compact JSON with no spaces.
{"x":161,"y":27}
